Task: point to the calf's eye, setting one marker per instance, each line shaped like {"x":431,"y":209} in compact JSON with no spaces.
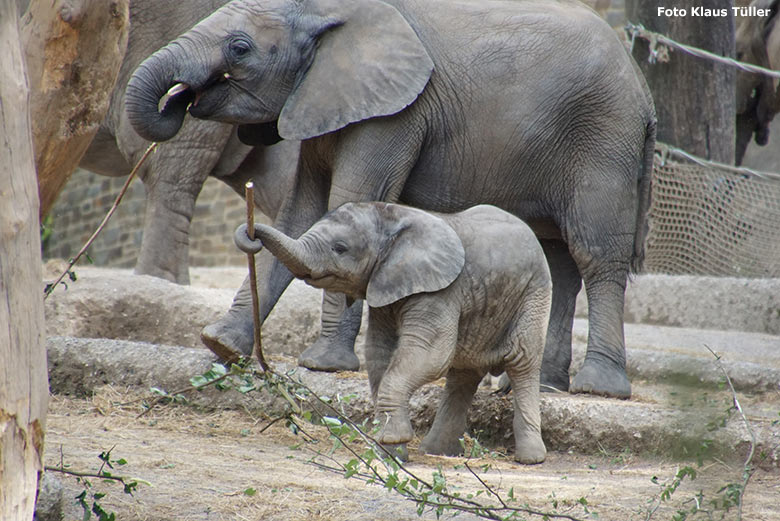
{"x":239,"y":47}
{"x":339,"y":248}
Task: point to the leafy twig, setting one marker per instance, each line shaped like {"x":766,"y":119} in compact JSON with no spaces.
{"x":170,"y":395}
{"x":78,"y":474}
{"x":453,"y":501}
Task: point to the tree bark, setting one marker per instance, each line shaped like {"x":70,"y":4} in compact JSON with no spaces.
{"x":694,"y":97}
{"x":73,"y":50}
{"x":23,"y":377}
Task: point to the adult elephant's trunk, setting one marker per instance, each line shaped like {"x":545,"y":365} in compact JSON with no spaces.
{"x":151,"y":82}
{"x":290,"y":252}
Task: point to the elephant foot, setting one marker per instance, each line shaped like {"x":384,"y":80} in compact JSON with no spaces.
{"x":441,"y":447}
{"x":328,"y":354}
{"x":397,"y":429}
{"x":530,"y":449}
{"x":398,"y":451}
{"x":550,"y":385}
{"x":229,"y":338}
{"x":546,"y":385}
{"x":554,"y":380}
{"x":601,"y":379}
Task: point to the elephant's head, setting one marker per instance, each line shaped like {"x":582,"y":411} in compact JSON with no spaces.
{"x":757,"y":96}
{"x":300,"y":67}
{"x":376,"y":251}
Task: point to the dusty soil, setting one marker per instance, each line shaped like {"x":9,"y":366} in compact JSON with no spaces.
{"x":200,"y":462}
{"x":201,"y":459}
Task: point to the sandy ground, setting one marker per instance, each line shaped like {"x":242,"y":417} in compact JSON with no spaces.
{"x":201,"y":462}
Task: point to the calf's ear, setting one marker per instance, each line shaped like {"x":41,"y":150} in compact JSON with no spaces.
{"x":422,"y":254}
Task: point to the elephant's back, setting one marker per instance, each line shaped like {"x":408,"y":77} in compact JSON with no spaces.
{"x":499,"y":247}
{"x":523,"y":92}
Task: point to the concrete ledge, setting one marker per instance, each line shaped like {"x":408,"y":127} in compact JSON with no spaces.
{"x":570,"y":423}
{"x":720,"y":303}
{"x":116,"y":304}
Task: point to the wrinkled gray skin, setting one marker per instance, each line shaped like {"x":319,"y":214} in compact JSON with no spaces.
{"x":174,"y":175}
{"x":440,"y":105}
{"x":455,"y":295}
{"x":757,"y":95}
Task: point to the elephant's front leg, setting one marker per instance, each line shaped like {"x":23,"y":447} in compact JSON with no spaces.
{"x":427,"y":337}
{"x":232,"y":336}
{"x":334,"y":350}
{"x":172,"y":186}
{"x":368,"y":166}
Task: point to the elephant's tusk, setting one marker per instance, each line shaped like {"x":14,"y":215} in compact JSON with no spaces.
{"x":177,"y":89}
{"x":172,"y":92}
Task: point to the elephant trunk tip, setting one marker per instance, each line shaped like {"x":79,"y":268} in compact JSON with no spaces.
{"x":155,"y":104}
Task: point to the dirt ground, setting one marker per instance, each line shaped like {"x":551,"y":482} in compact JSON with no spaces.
{"x":200,"y":463}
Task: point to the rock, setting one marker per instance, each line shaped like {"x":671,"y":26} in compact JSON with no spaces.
{"x":116,"y":304}
{"x":50,"y":502}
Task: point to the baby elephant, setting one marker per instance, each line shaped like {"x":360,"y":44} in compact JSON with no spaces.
{"x":456,"y":295}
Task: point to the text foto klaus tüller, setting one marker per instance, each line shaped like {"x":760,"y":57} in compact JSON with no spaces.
{"x":705,"y":12}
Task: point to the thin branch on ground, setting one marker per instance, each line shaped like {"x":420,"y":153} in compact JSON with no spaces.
{"x":453,"y":502}
{"x":747,"y":470}
{"x":172,"y":395}
{"x":78,"y":474}
{"x":74,"y":260}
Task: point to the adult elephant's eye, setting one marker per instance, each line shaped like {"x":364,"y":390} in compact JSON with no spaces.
{"x":340,"y":248}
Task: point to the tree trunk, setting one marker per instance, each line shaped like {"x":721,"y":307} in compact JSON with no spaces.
{"x":694,"y":97}
{"x":73,"y":49}
{"x":23,"y":378}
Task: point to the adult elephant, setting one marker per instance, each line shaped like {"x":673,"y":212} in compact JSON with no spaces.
{"x":757,"y":96}
{"x":532,"y":106}
{"x":174,"y":175}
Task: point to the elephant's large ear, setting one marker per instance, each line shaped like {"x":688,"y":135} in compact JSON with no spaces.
{"x":422,"y":254}
{"x":369,"y":62}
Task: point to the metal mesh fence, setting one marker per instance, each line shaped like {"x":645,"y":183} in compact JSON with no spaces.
{"x":713,"y":221}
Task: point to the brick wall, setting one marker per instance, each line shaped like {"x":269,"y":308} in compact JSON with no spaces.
{"x":87,"y":198}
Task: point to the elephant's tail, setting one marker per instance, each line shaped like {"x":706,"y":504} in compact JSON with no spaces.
{"x":644,"y":190}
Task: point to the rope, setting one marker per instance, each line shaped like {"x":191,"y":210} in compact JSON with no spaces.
{"x":668,"y":150}
{"x":654,"y":38}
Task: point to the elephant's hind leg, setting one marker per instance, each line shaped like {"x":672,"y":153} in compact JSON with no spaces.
{"x":450,"y":421}
{"x":566,"y":285}
{"x":525,"y":343}
{"x":601,"y":242}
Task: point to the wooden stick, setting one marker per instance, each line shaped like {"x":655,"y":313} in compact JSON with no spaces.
{"x":250,"y":230}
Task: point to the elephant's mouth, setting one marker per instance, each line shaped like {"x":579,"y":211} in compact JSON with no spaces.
{"x":178,"y":96}
{"x":319,"y":282}
{"x":183,"y":94}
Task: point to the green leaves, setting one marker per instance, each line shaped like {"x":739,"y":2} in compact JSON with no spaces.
{"x":89,"y":500}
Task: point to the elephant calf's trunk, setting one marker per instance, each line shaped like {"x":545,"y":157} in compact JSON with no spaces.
{"x":290,"y":252}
